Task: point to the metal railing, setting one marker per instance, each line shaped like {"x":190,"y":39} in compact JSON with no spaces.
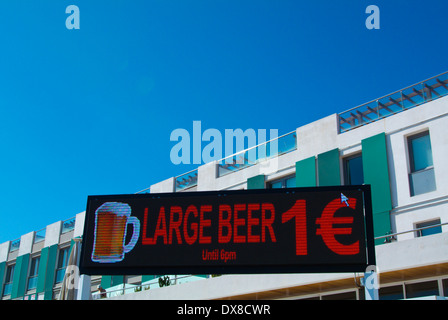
{"x":392,"y":236}
{"x":398,"y":101}
{"x":146,"y":190}
{"x":39,"y":235}
{"x":251,"y":156}
{"x":15,"y":245}
{"x":68,"y":225}
{"x":242,"y":159}
{"x":147,"y":285}
{"x":186,"y":180}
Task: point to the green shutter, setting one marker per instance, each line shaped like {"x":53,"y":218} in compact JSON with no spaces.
{"x":256,"y":182}
{"x":381,"y":225}
{"x":116,"y":280}
{"x":328,"y":168}
{"x":42,"y":270}
{"x":376,"y":173}
{"x":20,"y":276}
{"x":47,"y":269}
{"x":106,"y":282}
{"x":50,"y":272}
{"x":110,"y":281}
{"x":306,"y":172}
{"x":2,"y":276}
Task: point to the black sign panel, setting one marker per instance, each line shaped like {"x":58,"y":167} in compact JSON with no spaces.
{"x":322,"y":229}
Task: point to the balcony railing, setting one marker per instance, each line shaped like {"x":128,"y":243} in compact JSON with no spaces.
{"x":68,"y":225}
{"x":389,"y":237}
{"x":15,"y":245}
{"x":153,"y":284}
{"x":186,"y":180}
{"x":395,"y":102}
{"x":40,"y":235}
{"x":243,"y":159}
{"x":249,"y":157}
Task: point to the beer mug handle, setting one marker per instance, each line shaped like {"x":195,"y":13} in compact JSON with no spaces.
{"x":136,"y":233}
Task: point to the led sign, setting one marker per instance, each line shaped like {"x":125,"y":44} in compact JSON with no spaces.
{"x":323,"y":229}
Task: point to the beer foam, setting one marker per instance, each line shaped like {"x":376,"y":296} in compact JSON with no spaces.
{"x":119,"y":208}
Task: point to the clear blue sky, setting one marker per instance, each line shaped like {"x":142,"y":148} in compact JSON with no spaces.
{"x":90,"y":111}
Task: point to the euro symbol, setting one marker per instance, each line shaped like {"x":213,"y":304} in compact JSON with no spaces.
{"x":327,"y":221}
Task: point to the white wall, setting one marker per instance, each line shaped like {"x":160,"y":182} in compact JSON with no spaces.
{"x":322,"y":135}
{"x":52,"y":234}
{"x":409,"y":210}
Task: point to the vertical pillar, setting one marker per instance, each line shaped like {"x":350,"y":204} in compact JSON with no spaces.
{"x":371,"y":283}
{"x":84,"y":283}
{"x":84,"y":288}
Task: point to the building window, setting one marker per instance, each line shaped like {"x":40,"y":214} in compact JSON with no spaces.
{"x":391,"y":293}
{"x":421,"y":178}
{"x":426,"y":229}
{"x":32,"y":278}
{"x":353,"y":171}
{"x":62,"y":264}
{"x":288,"y":182}
{"x":422,"y":289}
{"x":341,"y":296}
{"x":7,"y":287}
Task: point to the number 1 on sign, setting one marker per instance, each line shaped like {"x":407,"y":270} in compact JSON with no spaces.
{"x":298,"y":211}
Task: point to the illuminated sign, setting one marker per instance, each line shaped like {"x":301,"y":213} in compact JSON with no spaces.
{"x":323,"y":229}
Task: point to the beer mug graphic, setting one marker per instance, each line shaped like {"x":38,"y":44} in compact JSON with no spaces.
{"x":111,"y":221}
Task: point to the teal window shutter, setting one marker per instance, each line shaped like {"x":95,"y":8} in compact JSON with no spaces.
{"x":328,"y":168}
{"x":376,"y":174}
{"x":256,"y":182}
{"x":306,"y":172}
{"x":20,"y":276}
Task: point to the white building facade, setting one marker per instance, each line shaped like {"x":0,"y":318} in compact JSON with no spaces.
{"x":398,"y":144}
